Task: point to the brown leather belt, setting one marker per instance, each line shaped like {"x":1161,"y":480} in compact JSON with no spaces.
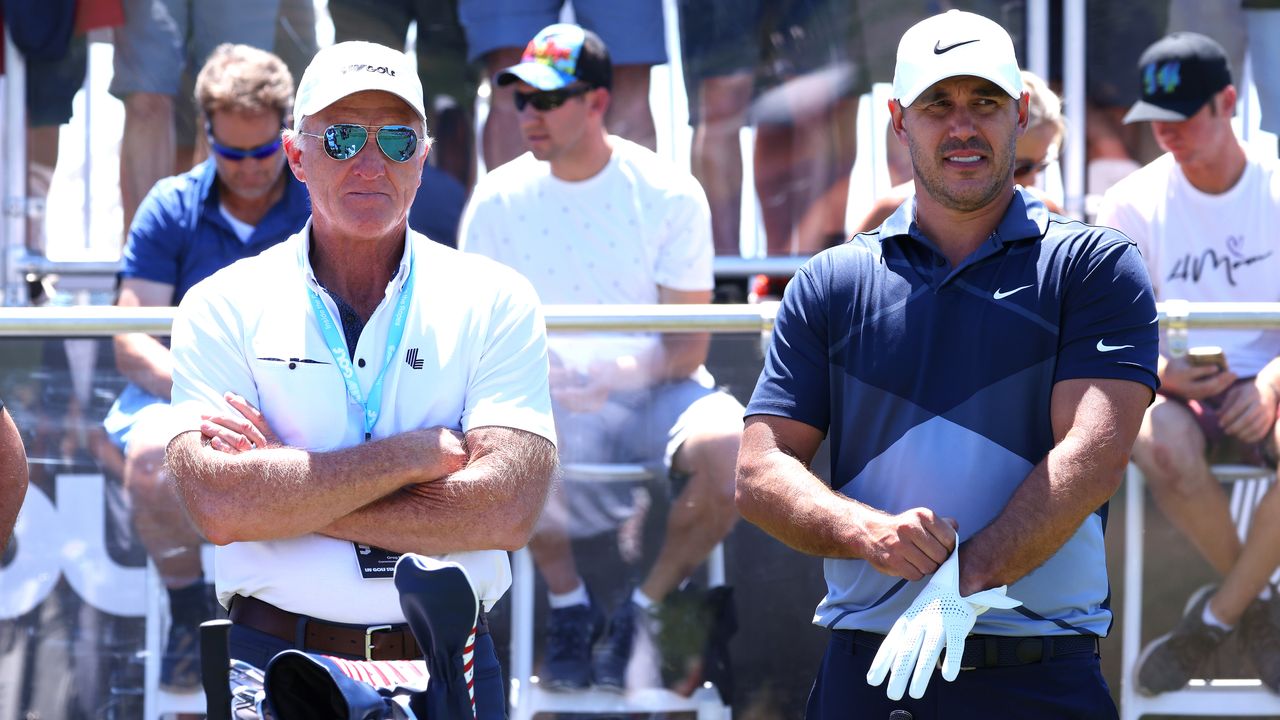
{"x":371,"y":642}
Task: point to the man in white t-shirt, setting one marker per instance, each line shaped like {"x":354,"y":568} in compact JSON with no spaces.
{"x":592,"y":218}
{"x":1205,"y":216}
{"x":394,"y":393}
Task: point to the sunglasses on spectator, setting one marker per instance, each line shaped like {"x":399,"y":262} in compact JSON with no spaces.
{"x":1022,"y":168}
{"x":264,"y":150}
{"x":548,"y":100}
{"x":343,"y":140}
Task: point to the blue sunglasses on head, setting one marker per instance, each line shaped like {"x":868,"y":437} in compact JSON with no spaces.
{"x":260,"y":152}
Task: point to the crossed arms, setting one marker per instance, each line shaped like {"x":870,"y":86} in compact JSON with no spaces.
{"x":430,"y":491}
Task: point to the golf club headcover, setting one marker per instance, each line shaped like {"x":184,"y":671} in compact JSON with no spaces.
{"x":441,"y":607}
{"x":306,"y":686}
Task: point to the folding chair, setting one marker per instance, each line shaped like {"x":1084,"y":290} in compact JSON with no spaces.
{"x":1237,"y":697}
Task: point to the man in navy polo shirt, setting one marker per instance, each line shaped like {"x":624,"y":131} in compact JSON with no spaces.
{"x":981,"y":367}
{"x":234,"y":205}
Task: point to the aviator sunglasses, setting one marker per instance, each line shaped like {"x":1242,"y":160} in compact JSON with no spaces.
{"x":548,"y":100}
{"x":343,"y":140}
{"x":264,"y":150}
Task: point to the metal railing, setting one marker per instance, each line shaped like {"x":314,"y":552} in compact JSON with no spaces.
{"x":104,"y":321}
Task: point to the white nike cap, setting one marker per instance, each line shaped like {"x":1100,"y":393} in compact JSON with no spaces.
{"x":347,"y":68}
{"x":952,"y":44}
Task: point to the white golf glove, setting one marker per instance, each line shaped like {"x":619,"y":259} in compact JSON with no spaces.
{"x":916,"y":640}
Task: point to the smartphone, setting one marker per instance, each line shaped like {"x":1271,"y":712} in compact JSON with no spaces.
{"x":1207,"y":355}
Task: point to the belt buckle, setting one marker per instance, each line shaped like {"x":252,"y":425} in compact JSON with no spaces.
{"x":368,"y":639}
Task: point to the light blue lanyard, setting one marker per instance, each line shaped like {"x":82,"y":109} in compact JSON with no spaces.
{"x":338,"y":348}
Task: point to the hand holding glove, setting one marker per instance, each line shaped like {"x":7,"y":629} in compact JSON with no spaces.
{"x":939,"y":613}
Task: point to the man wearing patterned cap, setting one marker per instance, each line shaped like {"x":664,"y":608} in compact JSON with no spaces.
{"x":592,"y":218}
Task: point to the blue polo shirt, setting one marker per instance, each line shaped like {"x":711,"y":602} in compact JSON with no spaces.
{"x":179,"y":236}
{"x":933,"y":385}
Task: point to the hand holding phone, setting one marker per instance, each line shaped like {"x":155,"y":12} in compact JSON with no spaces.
{"x":1207,"y":355}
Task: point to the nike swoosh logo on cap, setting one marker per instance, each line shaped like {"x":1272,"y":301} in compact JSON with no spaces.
{"x":938,"y":50}
{"x":1103,"y":347}
{"x":1002,"y":294}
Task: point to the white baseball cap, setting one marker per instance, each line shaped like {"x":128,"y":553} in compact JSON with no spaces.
{"x":952,"y":44}
{"x":347,"y":68}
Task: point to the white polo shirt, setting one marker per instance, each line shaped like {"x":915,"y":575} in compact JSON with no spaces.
{"x":473,"y":354}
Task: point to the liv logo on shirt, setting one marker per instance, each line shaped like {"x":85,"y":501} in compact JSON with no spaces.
{"x":1190,"y":268}
{"x":412,"y":360}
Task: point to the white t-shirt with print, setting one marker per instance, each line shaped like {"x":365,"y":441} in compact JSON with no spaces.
{"x":614,"y":238}
{"x":473,"y":354}
{"x":1207,"y":248}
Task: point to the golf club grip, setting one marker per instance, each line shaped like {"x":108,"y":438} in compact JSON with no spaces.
{"x":215,"y":664}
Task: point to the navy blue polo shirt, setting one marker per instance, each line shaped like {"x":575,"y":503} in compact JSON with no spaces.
{"x":179,"y":236}
{"x":933,"y":385}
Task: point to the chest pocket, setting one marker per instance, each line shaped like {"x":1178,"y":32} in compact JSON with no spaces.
{"x":302,"y":397}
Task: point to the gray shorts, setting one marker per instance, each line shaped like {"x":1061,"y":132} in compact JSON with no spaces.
{"x":160,"y":39}
{"x":645,"y":426}
{"x":164,"y":43}
{"x":631,"y":29}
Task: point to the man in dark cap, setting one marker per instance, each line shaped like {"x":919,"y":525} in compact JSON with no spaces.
{"x":1204,"y":215}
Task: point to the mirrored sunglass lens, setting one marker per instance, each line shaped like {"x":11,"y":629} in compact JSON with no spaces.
{"x":398,"y":142}
{"x":342,"y":142}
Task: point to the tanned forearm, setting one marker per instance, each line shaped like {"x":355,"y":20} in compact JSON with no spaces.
{"x":13,"y":476}
{"x":1082,"y":472}
{"x":281,"y":492}
{"x":777,"y":492}
{"x":492,"y":503}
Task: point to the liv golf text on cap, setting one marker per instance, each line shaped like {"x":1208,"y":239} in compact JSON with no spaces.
{"x":1179,"y":73}
{"x":952,"y":44}
{"x":347,"y":68}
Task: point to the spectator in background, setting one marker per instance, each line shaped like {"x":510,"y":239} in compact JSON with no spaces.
{"x":234,"y":205}
{"x":1035,"y":149}
{"x":159,"y":42}
{"x":593,"y":218}
{"x":1205,"y":216}
{"x":1248,"y":27}
{"x":498,"y":29}
{"x":51,"y":38}
{"x":787,"y":68}
{"x":13,"y":476}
